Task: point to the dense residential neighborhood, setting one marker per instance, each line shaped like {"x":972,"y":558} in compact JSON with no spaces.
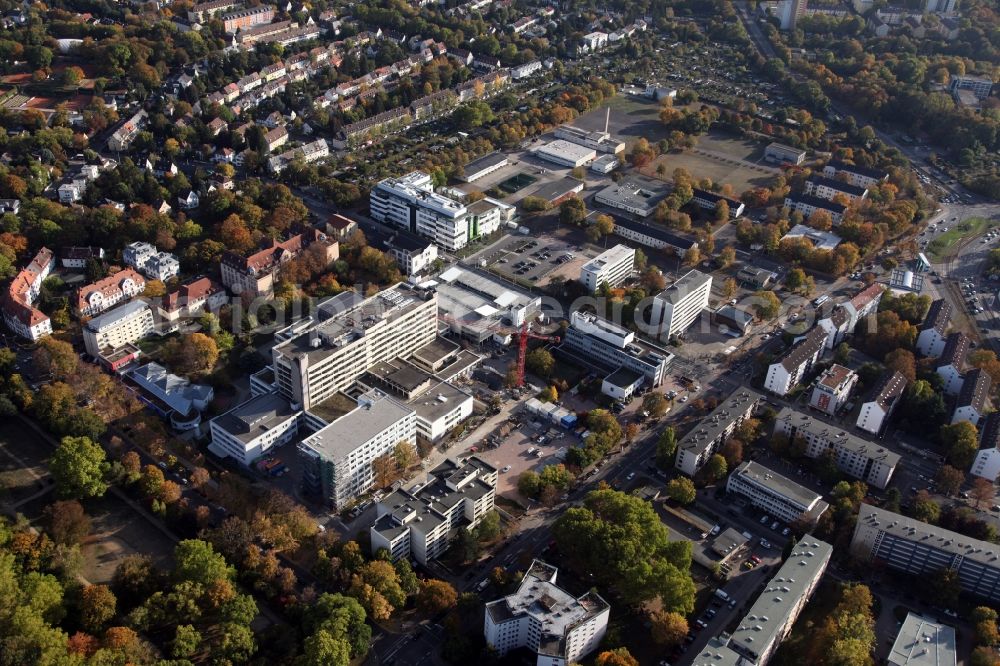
{"x":501,"y":332}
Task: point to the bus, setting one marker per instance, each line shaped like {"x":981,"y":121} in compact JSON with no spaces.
{"x":821,"y":300}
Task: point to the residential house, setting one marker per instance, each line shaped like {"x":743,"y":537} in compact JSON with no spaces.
{"x":974,"y":398}
{"x":792,"y":366}
{"x":108,"y":292}
{"x":881,"y":403}
{"x":952,"y":361}
{"x":931,"y":339}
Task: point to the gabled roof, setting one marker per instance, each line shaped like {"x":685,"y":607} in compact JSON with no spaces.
{"x":810,"y":345}
{"x":861,"y":171}
{"x":991,"y":432}
{"x":888,"y":390}
{"x":109,"y":287}
{"x":938,"y":316}
{"x":865,"y":297}
{"x":838,"y":185}
{"x":955,"y":349}
{"x":192,"y":291}
{"x":975,"y":390}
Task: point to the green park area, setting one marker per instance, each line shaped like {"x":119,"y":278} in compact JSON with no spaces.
{"x":946,"y":245}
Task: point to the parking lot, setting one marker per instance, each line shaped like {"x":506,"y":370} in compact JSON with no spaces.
{"x":528,"y":259}
{"x":521,"y":451}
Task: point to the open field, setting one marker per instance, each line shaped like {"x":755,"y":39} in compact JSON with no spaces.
{"x":723,"y":157}
{"x":946,"y":245}
{"x":22,"y":469}
{"x":117,"y":531}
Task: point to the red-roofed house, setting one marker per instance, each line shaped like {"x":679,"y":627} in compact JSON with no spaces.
{"x":191,"y":299}
{"x":112,"y":290}
{"x":254,"y":275}
{"x":19,"y":314}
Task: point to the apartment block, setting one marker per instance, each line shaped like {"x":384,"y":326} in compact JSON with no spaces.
{"x":830,"y":189}
{"x":652,"y":236}
{"x":792,"y":366}
{"x":886,"y":539}
{"x":855,"y":175}
{"x":125,"y":325}
{"x":710,"y":201}
{"x":95,"y":298}
{"x":191,"y":299}
{"x":778,"y":495}
{"x":987,"y":462}
{"x":419,"y":522}
{"x":337,"y":459}
{"x":409,"y":202}
{"x":951,"y":363}
{"x":679,"y":305}
{"x":832,"y":389}
{"x":770,"y":619}
{"x":807,"y":204}
{"x":611,"y":267}
{"x":881,"y":403}
{"x":595,"y":341}
{"x":255,"y":275}
{"x":856,"y":457}
{"x":560,"y":628}
{"x":19,"y":312}
{"x":934,"y":329}
{"x":352,"y":335}
{"x":974,"y":398}
{"x":696,"y":447}
{"x":254,"y":427}
{"x":246,"y":18}
{"x":149,"y":261}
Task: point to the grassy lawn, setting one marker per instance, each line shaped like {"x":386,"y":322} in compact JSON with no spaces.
{"x":942,"y":247}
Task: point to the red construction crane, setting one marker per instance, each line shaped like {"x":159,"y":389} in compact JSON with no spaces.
{"x":523,"y":334}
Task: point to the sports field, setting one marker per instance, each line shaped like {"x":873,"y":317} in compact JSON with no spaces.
{"x":516,"y":183}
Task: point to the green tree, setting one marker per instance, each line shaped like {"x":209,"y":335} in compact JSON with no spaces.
{"x":196,"y":561}
{"x":405,"y":455}
{"x":78,"y":467}
{"x":716,"y":468}
{"x":323,"y":649}
{"x":540,"y":362}
{"x":961,"y":440}
{"x":620,"y":541}
{"x":488,"y":527}
{"x":666,"y":448}
{"x":925,"y":508}
{"x":766,"y":304}
{"x":572,"y":211}
{"x":529,"y":484}
{"x":681,"y":490}
{"x":656,"y":404}
{"x":185,"y":642}
{"x":842,"y":354}
{"x":408,"y":580}
{"x":343,"y":617}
